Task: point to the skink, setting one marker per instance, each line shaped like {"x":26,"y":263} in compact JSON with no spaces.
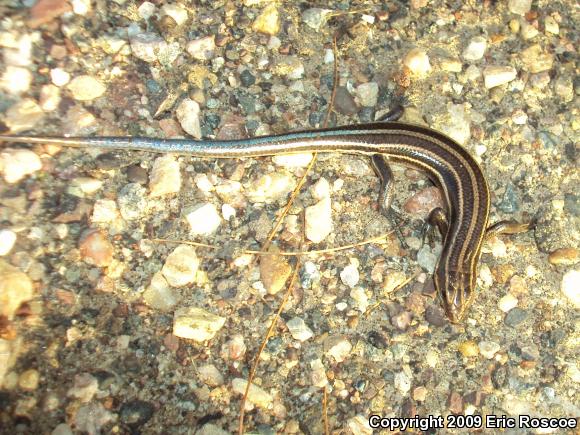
{"x":464,"y":225}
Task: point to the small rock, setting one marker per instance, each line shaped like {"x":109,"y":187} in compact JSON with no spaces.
{"x":290,"y":67}
{"x":211,"y":429}
{"x":551,"y":25}
{"x":105,"y":211}
{"x":402,"y":320}
{"x":256,"y":395}
{"x":564,"y":256}
{"x":344,"y":102}
{"x":45,"y":11}
{"x":528,"y":31}
{"x":23,"y":115}
{"x":181,"y":266}
{"x":147,"y":46}
{"x":136,"y":413}
{"x":49,"y":98}
{"x":92,"y":418}
{"x":7,"y":241}
{"x":269,"y":188}
{"x":417,"y":61}
{"x":318,"y":374}
{"x":367,"y":94}
{"x":564,"y":88}
{"x":498,"y":75}
{"x":476,"y":48}
{"x":131,"y":201}
{"x":82,"y":186}
{"x":81,"y":7}
{"x":159,"y":295}
{"x":508,"y":302}
{"x":274,"y":271}
{"x":360,"y":298}
{"x":62,"y":429}
{"x":536,"y":60}
{"x":393,"y":279}
{"x":515,"y":317}
{"x":455,"y":402}
{"x":196,"y":324}
{"x":16,"y":80}
{"x":146,"y":10}
{"x":422,"y":202}
{"x":86,"y":88}
{"x":319,"y":221}
{"x":301,"y":160}
{"x":175,"y":11}
{"x":321,"y":189}
{"x":85,"y":387}
{"x":268,"y":21}
{"x":427,"y":259}
{"x":435,"y":315}
{"x":402,"y":382}
{"x":165,"y":176}
{"x":520,"y":7}
{"x":571,"y":287}
{"x":210,"y":375}
{"x":359,"y":425}
{"x":202,"y":48}
{"x":235,"y":349}
{"x":16,"y":164}
{"x":188,"y":116}
{"x":298,"y":329}
{"x":420,"y":394}
{"x":29,"y":379}
{"x":349,"y":275}
{"x":451,"y":65}
{"x":338,"y":347}
{"x":204,"y":219}
{"x":95,"y":248}
{"x":488,"y":349}
{"x":315,"y":18}
{"x":468,"y":348}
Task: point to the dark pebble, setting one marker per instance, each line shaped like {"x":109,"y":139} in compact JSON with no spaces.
{"x":344,"y":102}
{"x":435,"y":315}
{"x":378,"y":339}
{"x":572,"y":204}
{"x":108,"y":162}
{"x":408,"y":410}
{"x":515,"y":317}
{"x":136,"y":413}
{"x":366,"y":114}
{"x":212,"y":120}
{"x":247,"y":78}
{"x":475,"y":398}
{"x":247,"y":103}
{"x":510,"y":201}
{"x":137,"y":174}
{"x":499,"y":377}
{"x":360,"y":385}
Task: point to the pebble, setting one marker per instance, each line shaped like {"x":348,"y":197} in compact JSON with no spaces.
{"x":146,"y":46}
{"x":564,"y":88}
{"x":520,"y":7}
{"x":360,"y":298}
{"x":571,"y":287}
{"x":422,"y":202}
{"x":159,"y":295}
{"x":204,"y":219}
{"x":210,"y":375}
{"x":84,"y":388}
{"x":211,"y":429}
{"x":15,"y":80}
{"x":146,"y":10}
{"x":95,"y":248}
{"x":392,"y":280}
{"x":515,"y":317}
{"x":256,"y":395}
{"x":196,"y":324}
{"x":420,"y":394}
{"x":468,"y":348}
{"x":202,"y":48}
{"x":349,"y":275}
{"x":86,"y":88}
{"x":62,"y":429}
{"x":344,"y":102}
{"x":475,"y":49}
{"x":177,"y":12}
{"x":290,"y":67}
{"x":427,"y":259}
{"x":29,"y":380}
{"x":451,"y":65}
{"x":105,"y":211}
{"x":81,"y":7}
{"x":519,"y":117}
{"x":23,"y":115}
{"x":551,"y":25}
{"x":488,"y":349}
{"x":132,"y":201}
{"x":315,"y":18}
{"x":92,"y":418}
{"x":528,"y":31}
{"x":507,"y":302}
{"x":268,"y":22}
{"x":274,"y":271}
{"x":338,"y":347}
{"x":417,"y":61}
{"x":235,"y":348}
{"x":188,"y":116}
{"x":536,"y":60}
{"x":45,"y":11}
{"x":16,"y":164}
{"x":402,"y":382}
{"x":402,"y":320}
{"x":457,"y":123}
{"x":181,"y":266}
{"x":367,"y":94}
{"x":269,"y":188}
{"x":318,"y":219}
{"x":300,"y":160}
{"x":455,"y":402}
{"x":49,"y":98}
{"x":359,"y":425}
{"x":318,"y":374}
{"x":321,"y":189}
{"x":498,"y":75}
{"x":165,"y":176}
{"x":7,"y":241}
{"x":298,"y":329}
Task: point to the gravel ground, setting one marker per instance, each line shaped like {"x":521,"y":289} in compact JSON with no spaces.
{"x":104,"y":328}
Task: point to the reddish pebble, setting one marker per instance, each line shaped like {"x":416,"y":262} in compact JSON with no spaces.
{"x":45,"y":11}
{"x":170,"y":128}
{"x":171,"y":342}
{"x":424,"y":201}
{"x":455,"y":403}
{"x":96,"y":249}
